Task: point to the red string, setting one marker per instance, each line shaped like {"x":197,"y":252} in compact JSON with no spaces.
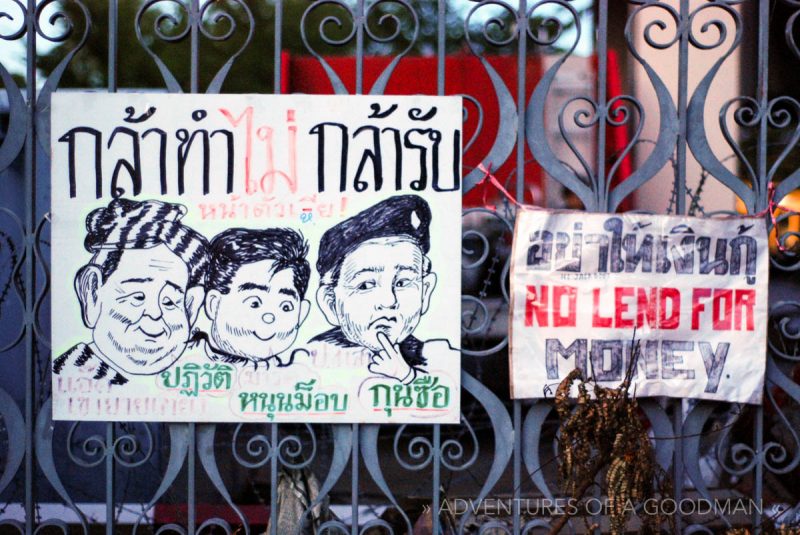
{"x":487,"y":175}
{"x":771,"y":208}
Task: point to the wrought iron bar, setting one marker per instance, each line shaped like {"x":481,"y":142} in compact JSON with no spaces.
{"x":602,"y":111}
{"x":191,"y":513}
{"x":684,"y":31}
{"x":517,"y":466}
{"x":441,"y":73}
{"x":681,"y":125}
{"x":113,"y":29}
{"x":273,"y":479}
{"x":30,"y":268}
{"x":354,"y":495}
{"x":110,"y":453}
{"x":359,"y":23}
{"x":194,"y":31}
{"x":110,"y":435}
{"x":437,"y":467}
{"x":762,"y":96}
{"x":278,"y":57}
{"x":522,"y":63}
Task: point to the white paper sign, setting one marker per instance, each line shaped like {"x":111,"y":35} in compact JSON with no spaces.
{"x":694,"y":290}
{"x":225,"y":258}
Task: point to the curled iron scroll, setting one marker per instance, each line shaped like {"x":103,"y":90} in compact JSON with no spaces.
{"x":505,"y":137}
{"x":61,"y":16}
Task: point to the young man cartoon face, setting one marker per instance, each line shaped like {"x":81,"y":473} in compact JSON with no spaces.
{"x":384,"y":285}
{"x":140,"y":315}
{"x":260,"y":315}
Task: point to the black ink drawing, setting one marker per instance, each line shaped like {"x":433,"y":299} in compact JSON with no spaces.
{"x":415,"y":114}
{"x":131,"y":111}
{"x":255,"y":296}
{"x":683,"y":228}
{"x":149,"y":152}
{"x":140,"y":291}
{"x":377,"y":113}
{"x":376,"y":283}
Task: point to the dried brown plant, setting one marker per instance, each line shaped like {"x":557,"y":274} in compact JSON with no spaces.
{"x":605,"y":431}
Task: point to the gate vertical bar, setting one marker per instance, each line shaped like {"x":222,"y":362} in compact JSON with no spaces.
{"x":762,"y":97}
{"x":437,"y":467}
{"x":677,"y":425}
{"x":440,"y":47}
{"x":522,"y":60}
{"x":113,"y":28}
{"x":354,"y":481}
{"x":602,"y":104}
{"x":602,"y":186}
{"x":517,"y":460}
{"x":762,"y":94}
{"x":278,"y":80}
{"x":191,"y":522}
{"x":437,"y":436}
{"x":278,"y":47}
{"x":680,"y":208}
{"x":30,"y":267}
{"x":683,"y":82}
{"x":194,"y":29}
{"x":109,"y":478}
{"x":759,"y":469}
{"x":273,"y":480}
{"x":359,"y":22}
{"x":112,"y":88}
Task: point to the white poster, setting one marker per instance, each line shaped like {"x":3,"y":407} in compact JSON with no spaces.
{"x":693,"y":290}
{"x":226,"y":258}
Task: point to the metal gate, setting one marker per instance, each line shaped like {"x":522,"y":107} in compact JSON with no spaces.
{"x":72,"y":477}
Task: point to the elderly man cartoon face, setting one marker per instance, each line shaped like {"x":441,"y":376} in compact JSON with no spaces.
{"x":141,"y":291}
{"x":376,"y":277}
{"x":256,"y":284}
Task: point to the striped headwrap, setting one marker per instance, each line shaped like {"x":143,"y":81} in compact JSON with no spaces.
{"x":126,"y":224}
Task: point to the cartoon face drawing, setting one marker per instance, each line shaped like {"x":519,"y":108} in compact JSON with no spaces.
{"x":255,"y":293}
{"x":140,"y":291}
{"x":377,"y":283}
{"x":138,"y":315}
{"x":383,"y":287}
{"x":260,"y":315}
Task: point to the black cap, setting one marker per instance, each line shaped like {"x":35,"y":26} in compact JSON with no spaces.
{"x":403,"y":215}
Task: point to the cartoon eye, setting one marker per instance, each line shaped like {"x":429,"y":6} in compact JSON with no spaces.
{"x":168,"y":303}
{"x":402,"y":283}
{"x":287,"y":306}
{"x":366,"y":285}
{"x":253,"y":302}
{"x":137,"y":299}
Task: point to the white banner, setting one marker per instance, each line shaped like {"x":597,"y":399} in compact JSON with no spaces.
{"x":694,"y":290}
{"x":224,"y":258}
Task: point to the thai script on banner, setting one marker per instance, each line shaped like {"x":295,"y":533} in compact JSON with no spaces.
{"x":693,"y":290}
{"x":262,"y":256}
{"x":424,"y":393}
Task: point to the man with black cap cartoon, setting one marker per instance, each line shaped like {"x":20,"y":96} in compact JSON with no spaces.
{"x":139,"y":293}
{"x":376,"y":283}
